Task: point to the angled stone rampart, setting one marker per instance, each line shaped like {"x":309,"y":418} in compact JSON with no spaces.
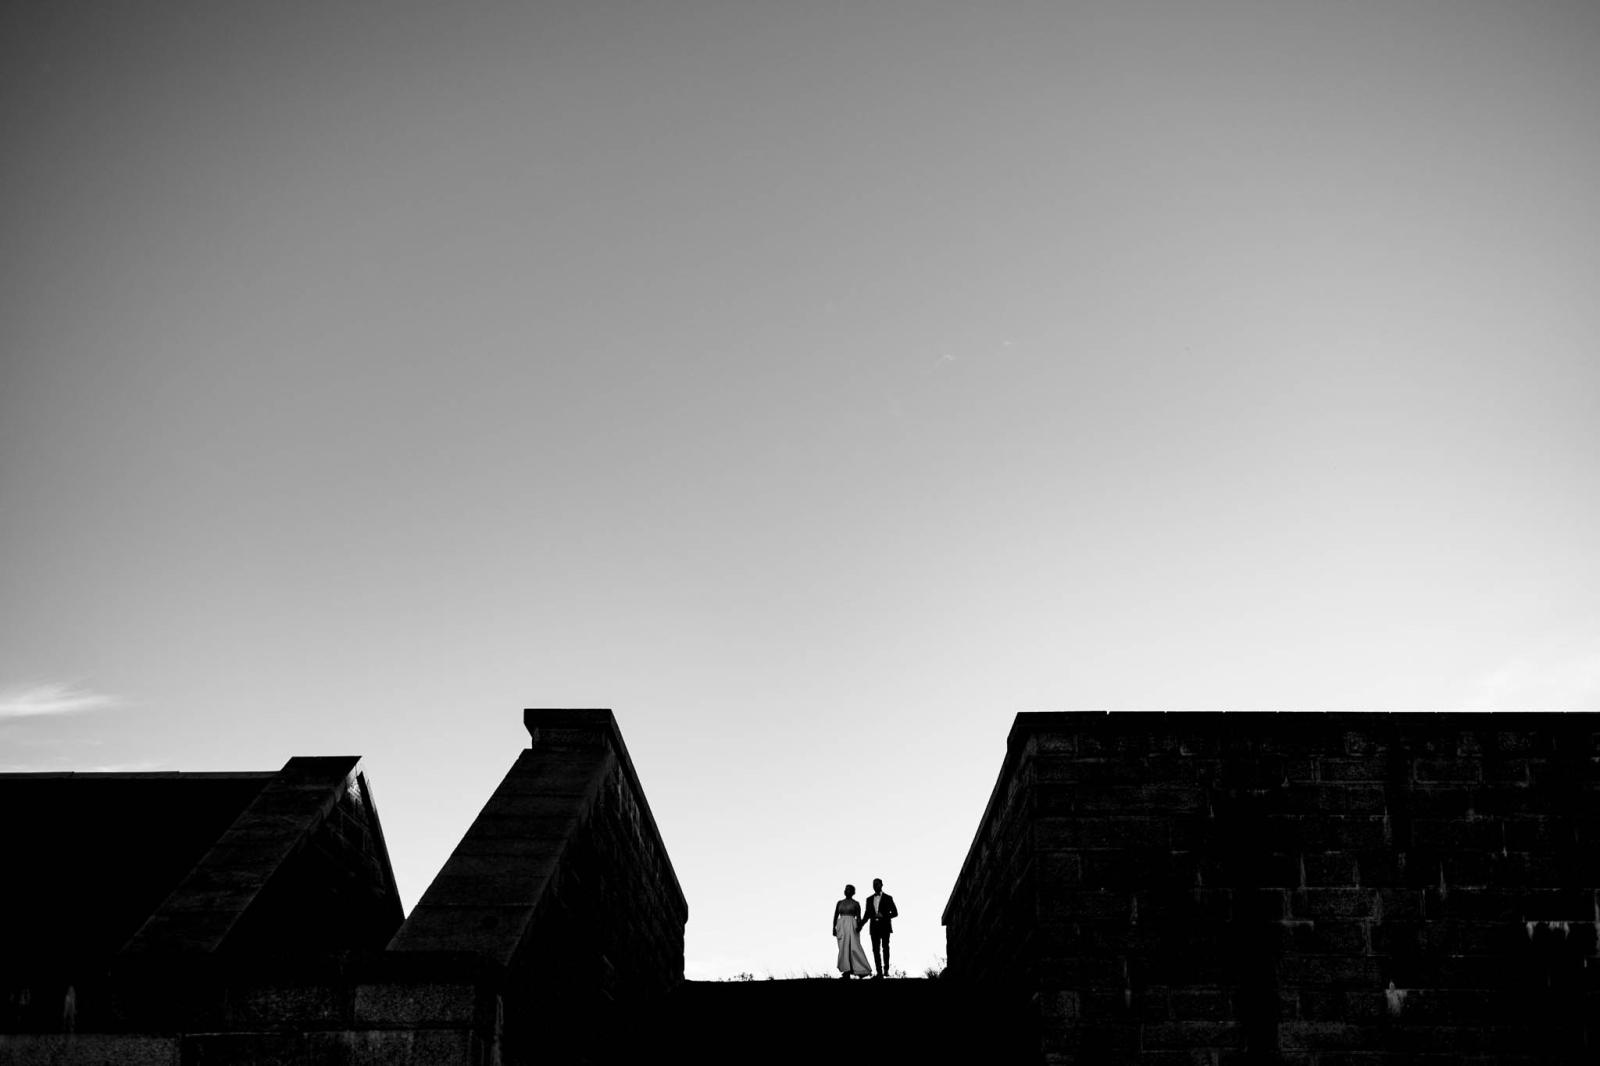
{"x":264,"y":884}
{"x":564,"y":881}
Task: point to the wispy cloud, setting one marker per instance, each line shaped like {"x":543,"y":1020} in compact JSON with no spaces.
{"x":34,"y":701}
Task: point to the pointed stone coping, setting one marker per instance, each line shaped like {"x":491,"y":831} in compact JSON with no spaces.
{"x":486,"y":897}
{"x":208,"y":903}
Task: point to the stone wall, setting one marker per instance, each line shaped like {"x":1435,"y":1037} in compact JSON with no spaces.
{"x":231,"y":1010}
{"x":554,"y":929}
{"x":1319,"y":890}
{"x":564,"y":881}
{"x":302,"y":868}
{"x":88,"y":858}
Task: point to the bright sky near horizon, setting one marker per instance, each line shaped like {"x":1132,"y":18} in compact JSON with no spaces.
{"x":815,"y":384}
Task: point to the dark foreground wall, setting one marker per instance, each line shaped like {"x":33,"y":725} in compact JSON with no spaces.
{"x":257,"y":927}
{"x":104,"y":870}
{"x":1319,"y":890}
{"x":335,"y":1009}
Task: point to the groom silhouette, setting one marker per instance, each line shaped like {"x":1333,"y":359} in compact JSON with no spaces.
{"x":879,"y":910}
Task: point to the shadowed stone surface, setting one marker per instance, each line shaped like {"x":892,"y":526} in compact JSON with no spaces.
{"x":303,"y":865}
{"x":89,"y":857}
{"x":252,"y":928}
{"x":1312,"y":889}
{"x":104,"y":869}
{"x":564,"y":881}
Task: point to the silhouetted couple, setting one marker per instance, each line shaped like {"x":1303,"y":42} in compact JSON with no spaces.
{"x":847,"y":922}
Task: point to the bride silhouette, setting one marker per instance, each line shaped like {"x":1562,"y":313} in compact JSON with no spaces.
{"x":847,"y":929}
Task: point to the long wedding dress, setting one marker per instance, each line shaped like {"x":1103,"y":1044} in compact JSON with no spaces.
{"x":852,"y":959}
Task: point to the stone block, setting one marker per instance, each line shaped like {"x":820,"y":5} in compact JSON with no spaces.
{"x":87,"y":1049}
{"x":1499,"y":770}
{"x":1329,"y":868}
{"x":1399,"y":937}
{"x":1140,"y":799}
{"x":1453,"y":771}
{"x":1060,"y":932}
{"x":1101,"y":831}
{"x":509,"y":886}
{"x":1261,"y":904}
{"x":549,"y":824}
{"x":1064,"y":770}
{"x":492,"y":931}
{"x":1466,"y":869}
{"x":1060,"y":868}
{"x":539,"y":775}
{"x":1086,"y":903}
{"x":1132,"y":868}
{"x":1509,"y":905}
{"x":1325,"y":833}
{"x":1318,"y":799}
{"x":1194,"y":1034}
{"x":184,"y":930}
{"x":1540,"y":832}
{"x":1051,"y":800}
{"x":433,"y":1005}
{"x":1365,"y":1006}
{"x":1055,"y":743}
{"x":1372,"y":768}
{"x":1438,"y":801}
{"x":444,"y":1047}
{"x":1474,"y":971}
{"x":533,"y":852}
{"x":1328,"y":937}
{"x":475,"y":863}
{"x":260,"y":826}
{"x":1400,"y":904}
{"x":1380,"y":868}
{"x":1201,"y":1004}
{"x":1328,"y":1036}
{"x":1446,"y":834}
{"x":298,"y":1004}
{"x":1512,"y":800}
{"x":335,"y":1048}
{"x":1329,"y":970}
{"x":539,"y":806}
{"x":277,"y":804}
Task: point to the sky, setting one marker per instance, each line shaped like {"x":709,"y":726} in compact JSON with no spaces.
{"x":817,"y":385}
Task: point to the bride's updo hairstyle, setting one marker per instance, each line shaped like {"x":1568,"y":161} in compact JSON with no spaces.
{"x":849,"y":891}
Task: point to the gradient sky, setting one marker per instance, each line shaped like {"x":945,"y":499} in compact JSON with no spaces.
{"x":815,"y":384}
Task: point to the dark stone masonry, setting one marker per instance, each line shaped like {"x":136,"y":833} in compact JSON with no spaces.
{"x":1308,"y":889}
{"x":230,"y":919}
{"x":563,"y":884}
{"x":1194,"y":889}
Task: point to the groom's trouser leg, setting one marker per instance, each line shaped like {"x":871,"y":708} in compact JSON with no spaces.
{"x":880,"y":951}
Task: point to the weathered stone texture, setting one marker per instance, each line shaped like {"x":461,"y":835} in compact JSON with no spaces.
{"x":87,"y":1049}
{"x":1317,"y":889}
{"x":303,"y":866}
{"x":344,"y":1008}
{"x":259,"y":933}
{"x":563,"y":879}
{"x":87,"y":858}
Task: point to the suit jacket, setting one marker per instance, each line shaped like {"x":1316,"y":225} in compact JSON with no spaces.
{"x":878,"y":917}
